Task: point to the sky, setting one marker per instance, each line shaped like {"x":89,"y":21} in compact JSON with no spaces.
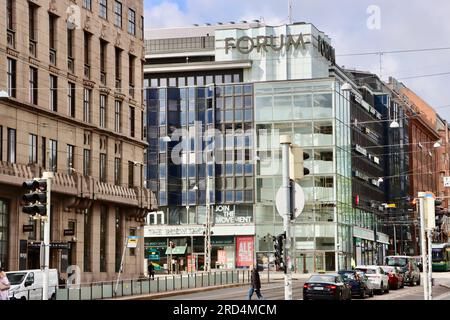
{"x":355,"y":26}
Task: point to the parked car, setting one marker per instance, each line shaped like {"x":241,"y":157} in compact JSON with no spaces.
{"x":395,"y":277}
{"x":377,"y":277}
{"x":326,"y":287}
{"x":27,"y":284}
{"x":360,"y":284}
{"x":409,"y":267}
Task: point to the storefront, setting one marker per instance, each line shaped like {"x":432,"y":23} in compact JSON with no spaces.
{"x":368,"y":252}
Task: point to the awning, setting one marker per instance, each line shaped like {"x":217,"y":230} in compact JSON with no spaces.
{"x":176,"y":250}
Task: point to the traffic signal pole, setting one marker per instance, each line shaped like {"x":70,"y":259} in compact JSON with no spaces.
{"x":46,"y":246}
{"x":423,"y":247}
{"x":285,"y":142}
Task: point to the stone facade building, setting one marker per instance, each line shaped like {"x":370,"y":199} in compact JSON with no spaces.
{"x":72,"y":71}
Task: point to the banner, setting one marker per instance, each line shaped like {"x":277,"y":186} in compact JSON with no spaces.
{"x":221,"y":256}
{"x":244,"y":251}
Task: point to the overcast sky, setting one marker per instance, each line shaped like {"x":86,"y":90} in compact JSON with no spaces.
{"x":404,"y":25}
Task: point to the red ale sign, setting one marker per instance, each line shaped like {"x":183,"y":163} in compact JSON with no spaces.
{"x":244,"y":251}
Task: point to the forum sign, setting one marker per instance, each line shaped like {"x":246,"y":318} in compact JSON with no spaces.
{"x":246,"y":44}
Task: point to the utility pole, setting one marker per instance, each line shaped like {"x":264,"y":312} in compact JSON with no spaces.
{"x":423,"y":246}
{"x":46,"y":246}
{"x":430,"y":265}
{"x":286,"y":142}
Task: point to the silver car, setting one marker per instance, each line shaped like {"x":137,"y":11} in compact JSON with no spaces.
{"x":377,"y":277}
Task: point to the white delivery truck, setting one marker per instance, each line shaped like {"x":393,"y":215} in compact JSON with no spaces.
{"x":28,"y":284}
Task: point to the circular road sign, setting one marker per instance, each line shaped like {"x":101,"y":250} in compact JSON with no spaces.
{"x":299,"y":201}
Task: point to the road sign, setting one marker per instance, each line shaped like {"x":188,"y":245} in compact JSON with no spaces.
{"x":132,"y":242}
{"x":446,"y":182}
{"x":299,"y":201}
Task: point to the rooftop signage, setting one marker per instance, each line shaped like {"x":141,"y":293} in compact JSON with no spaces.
{"x":246,"y":44}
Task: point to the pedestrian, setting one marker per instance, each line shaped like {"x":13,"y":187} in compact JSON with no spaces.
{"x":4,"y":286}
{"x":255,"y":284}
{"x":151,"y":271}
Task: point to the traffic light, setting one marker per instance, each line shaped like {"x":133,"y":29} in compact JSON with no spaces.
{"x":279,"y":253}
{"x":36,"y":198}
{"x":296,"y":165}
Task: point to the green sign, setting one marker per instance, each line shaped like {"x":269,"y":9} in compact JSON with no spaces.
{"x":176,"y":250}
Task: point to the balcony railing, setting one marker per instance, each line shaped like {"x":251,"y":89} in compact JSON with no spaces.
{"x":52,"y":54}
{"x":71,"y":65}
{"x":103,"y":78}
{"x":32,"y":48}
{"x":87,"y":71}
{"x":11,"y":38}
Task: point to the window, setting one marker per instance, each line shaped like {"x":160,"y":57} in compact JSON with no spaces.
{"x":87,"y":55}
{"x":131,"y":21}
{"x":70,"y":55}
{"x":53,"y":93}
{"x":103,"y":11}
{"x":87,"y":105}
{"x":142,"y":27}
{"x":87,"y":240}
{"x":53,"y":159}
{"x":117,"y":171}
{"x":44,"y":152}
{"x":130,"y":174}
{"x":103,"y":49}
{"x":70,"y":158}
{"x":103,"y":111}
{"x":87,"y":4}
{"x":9,"y":15}
{"x":87,"y":162}
{"x":71,"y":99}
{"x":131,"y":67}
{"x":118,"y":65}
{"x":33,"y":85}
{"x":11,"y":82}
{"x":11,"y":152}
{"x":103,"y":236}
{"x":103,"y":167}
{"x":132,"y":121}
{"x":32,"y":148}
{"x":118,"y":14}
{"x":32,"y":28}
{"x":117,"y":111}
{"x":118,"y":244}
{"x":52,"y":38}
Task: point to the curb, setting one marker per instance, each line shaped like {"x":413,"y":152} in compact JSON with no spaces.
{"x":153,"y":296}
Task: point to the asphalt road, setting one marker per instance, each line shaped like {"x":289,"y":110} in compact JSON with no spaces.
{"x":275,"y":291}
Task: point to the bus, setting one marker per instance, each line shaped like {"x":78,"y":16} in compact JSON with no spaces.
{"x":440,"y":255}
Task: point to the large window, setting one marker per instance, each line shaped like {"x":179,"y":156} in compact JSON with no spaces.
{"x":102,"y":111}
{"x":131,"y":67}
{"x":87,"y":4}
{"x":70,"y":158}
{"x":117,"y":118}
{"x":52,"y":37}
{"x":11,"y":155}
{"x":118,"y":66}
{"x":33,"y":83}
{"x":71,"y":99}
{"x":87,"y":105}
{"x":4,"y":232}
{"x":87,"y":55}
{"x":53,"y":93}
{"x":118,"y":14}
{"x":103,"y":52}
{"x":132,"y":121}
{"x":53,"y":160}
{"x":11,"y":83}
{"x":103,"y":10}
{"x":130,"y":174}
{"x":9,"y":15}
{"x":32,"y":28}
{"x":70,"y":55}
{"x":87,"y":162}
{"x":117,"y":171}
{"x":103,"y":236}
{"x":103,"y":167}
{"x":44,"y":152}
{"x":131,"y":21}
{"x":32,"y":148}
{"x":87,"y":240}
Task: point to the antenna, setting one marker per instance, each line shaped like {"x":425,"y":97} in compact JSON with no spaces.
{"x":290,"y":11}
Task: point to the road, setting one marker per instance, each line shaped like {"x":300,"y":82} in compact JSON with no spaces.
{"x":275,"y":291}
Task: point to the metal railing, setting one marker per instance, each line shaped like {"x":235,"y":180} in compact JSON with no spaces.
{"x":128,"y":288}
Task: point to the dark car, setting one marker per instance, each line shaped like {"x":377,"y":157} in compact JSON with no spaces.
{"x":326,"y":287}
{"x":360,"y":284}
{"x":408,"y":266}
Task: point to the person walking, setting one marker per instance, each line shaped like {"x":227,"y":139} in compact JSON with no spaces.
{"x":151,"y":271}
{"x":255,"y":284}
{"x":4,"y":286}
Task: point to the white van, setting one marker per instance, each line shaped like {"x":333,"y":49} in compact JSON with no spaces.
{"x":27,"y":284}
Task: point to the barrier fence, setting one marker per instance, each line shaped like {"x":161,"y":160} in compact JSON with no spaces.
{"x":161,"y":284}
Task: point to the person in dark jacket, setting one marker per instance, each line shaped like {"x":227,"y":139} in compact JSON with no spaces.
{"x":151,"y":271}
{"x":255,"y":284}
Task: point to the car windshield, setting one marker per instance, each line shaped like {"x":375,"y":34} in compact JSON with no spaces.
{"x":389,"y":269}
{"x":323,"y":278}
{"x":15,"y":277}
{"x":368,"y":271}
{"x":397,"y":262}
{"x":437,"y":255}
{"x":347,"y":275}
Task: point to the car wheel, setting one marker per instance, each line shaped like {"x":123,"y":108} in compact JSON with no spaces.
{"x":363,"y":294}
